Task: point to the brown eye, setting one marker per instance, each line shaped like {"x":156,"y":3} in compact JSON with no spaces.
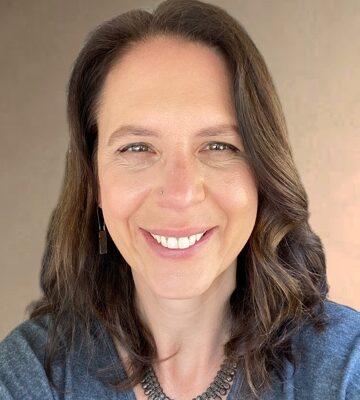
{"x":134,"y":148}
{"x":219,"y":146}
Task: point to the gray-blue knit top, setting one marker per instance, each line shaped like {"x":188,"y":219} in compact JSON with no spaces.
{"x":328,"y":369}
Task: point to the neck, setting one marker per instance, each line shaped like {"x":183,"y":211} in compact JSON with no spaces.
{"x":197,"y":328}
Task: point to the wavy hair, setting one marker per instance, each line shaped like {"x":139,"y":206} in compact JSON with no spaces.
{"x":281,"y":280}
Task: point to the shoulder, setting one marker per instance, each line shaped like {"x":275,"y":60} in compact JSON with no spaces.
{"x":329,"y":361}
{"x":21,"y":361}
{"x":342,"y":330}
{"x":343,"y":318}
{"x":22,"y":373}
{"x":31,"y":333}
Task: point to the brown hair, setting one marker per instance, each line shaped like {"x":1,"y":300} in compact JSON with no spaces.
{"x":281,"y":275}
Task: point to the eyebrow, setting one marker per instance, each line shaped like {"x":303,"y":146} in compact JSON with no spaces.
{"x":135,"y":130}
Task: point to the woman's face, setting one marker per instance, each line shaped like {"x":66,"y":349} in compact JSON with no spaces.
{"x":174,"y":92}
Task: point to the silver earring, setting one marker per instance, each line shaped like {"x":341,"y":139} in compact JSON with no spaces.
{"x":102,"y":235}
{"x":162,"y":192}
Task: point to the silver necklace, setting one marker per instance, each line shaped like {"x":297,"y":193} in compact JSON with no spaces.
{"x":219,"y":386}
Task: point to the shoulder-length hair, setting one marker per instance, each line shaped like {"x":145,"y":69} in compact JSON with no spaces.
{"x":281,"y":274}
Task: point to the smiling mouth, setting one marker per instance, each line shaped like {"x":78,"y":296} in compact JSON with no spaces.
{"x":177,"y":246}
{"x":179,"y":242}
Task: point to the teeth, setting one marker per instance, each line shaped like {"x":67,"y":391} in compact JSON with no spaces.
{"x":162,"y":240}
{"x":173,"y":243}
{"x":178,"y":243}
{"x":192,"y":239}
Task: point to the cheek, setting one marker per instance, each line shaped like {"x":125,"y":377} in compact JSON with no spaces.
{"x":238,"y":192}
{"x":120,"y":195}
{"x":243,"y":196}
{"x":239,"y":204}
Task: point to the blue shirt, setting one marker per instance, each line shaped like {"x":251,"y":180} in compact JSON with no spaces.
{"x":329,"y":367}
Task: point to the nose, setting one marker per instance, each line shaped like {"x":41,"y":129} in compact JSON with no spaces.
{"x":181,"y":182}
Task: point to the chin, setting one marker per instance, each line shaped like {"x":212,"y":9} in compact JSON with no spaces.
{"x":180,"y":290}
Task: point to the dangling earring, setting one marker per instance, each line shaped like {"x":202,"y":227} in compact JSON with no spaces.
{"x":102,"y":235}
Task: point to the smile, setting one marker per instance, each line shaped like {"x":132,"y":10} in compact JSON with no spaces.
{"x":177,"y":247}
{"x":177,"y":243}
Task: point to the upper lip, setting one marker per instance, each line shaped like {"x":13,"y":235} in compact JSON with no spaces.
{"x":178,"y":232}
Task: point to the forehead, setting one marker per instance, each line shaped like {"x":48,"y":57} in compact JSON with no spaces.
{"x":167,"y":80}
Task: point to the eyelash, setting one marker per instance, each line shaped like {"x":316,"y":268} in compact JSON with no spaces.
{"x":129,"y":146}
{"x":126,"y":148}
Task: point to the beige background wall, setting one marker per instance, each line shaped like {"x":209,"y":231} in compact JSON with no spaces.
{"x":312,"y":48}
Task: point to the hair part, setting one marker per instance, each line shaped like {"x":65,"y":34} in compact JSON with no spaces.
{"x":281,"y":273}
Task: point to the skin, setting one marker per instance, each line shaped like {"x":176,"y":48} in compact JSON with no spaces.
{"x":176,"y":88}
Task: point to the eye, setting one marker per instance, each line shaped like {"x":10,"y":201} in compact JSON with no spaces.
{"x":219,"y":146}
{"x":134,"y":148}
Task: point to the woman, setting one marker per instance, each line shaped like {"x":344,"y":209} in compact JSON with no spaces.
{"x":179,"y":260}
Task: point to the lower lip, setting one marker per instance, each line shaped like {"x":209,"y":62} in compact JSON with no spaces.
{"x":177,"y":253}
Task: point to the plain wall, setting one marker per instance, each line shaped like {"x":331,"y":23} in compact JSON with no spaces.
{"x":312,"y":49}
